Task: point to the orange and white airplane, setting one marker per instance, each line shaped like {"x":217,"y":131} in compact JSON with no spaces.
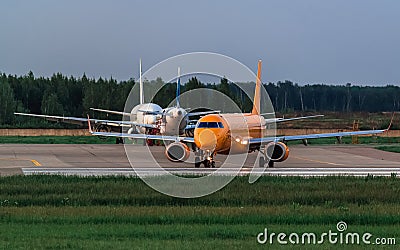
{"x":232,"y":133}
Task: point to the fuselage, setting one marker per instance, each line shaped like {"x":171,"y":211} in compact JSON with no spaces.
{"x":144,"y":114}
{"x":228,"y":133}
{"x":173,"y":121}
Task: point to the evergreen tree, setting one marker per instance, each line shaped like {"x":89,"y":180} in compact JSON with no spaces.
{"x":7,"y":102}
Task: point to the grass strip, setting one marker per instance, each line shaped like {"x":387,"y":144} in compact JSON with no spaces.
{"x":174,"y":227}
{"x":392,"y":148}
{"x":43,"y":190}
{"x":43,"y":212}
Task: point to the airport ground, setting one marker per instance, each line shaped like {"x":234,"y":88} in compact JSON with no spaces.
{"x":14,"y":158}
{"x":41,"y":211}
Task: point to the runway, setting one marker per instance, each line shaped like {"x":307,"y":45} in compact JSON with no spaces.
{"x":81,"y":159}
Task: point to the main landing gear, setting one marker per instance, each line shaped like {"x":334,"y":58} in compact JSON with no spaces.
{"x":262,"y":163}
{"x":206,"y":159}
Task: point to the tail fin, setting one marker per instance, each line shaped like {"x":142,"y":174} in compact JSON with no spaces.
{"x":257,"y":92}
{"x":178,"y":88}
{"x":141,"y":95}
{"x":89,"y":125}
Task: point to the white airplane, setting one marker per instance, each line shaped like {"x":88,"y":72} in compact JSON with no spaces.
{"x":232,"y":133}
{"x":170,"y":121}
{"x":144,"y":115}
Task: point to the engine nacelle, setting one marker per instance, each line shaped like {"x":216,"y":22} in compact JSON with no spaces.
{"x":177,"y":152}
{"x":102,"y":128}
{"x":277,"y":151}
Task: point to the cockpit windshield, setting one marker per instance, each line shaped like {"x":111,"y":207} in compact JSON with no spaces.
{"x":210,"y":125}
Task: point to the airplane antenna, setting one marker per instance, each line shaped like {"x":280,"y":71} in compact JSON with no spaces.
{"x":178,"y":88}
{"x":141,"y":95}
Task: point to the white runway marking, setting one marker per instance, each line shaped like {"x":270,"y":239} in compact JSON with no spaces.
{"x":306,"y":172}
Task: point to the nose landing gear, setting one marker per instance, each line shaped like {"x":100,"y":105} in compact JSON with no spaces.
{"x":206,"y":159}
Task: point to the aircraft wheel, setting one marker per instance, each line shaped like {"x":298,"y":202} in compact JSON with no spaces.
{"x":213,"y":164}
{"x":197,"y":162}
{"x":207,"y":164}
{"x":270,"y":164}
{"x":261,"y":162}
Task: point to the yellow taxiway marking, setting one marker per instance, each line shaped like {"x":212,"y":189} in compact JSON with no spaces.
{"x":323,"y":162}
{"x":36,"y":163}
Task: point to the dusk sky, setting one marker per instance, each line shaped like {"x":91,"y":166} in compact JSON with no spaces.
{"x":308,"y":41}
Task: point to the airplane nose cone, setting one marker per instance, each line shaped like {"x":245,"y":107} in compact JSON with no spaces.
{"x":207,"y":140}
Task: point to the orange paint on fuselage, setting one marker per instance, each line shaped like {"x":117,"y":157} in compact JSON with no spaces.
{"x":230,"y":133}
{"x":237,"y":129}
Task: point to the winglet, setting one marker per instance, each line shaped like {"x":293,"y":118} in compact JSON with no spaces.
{"x":90,"y":127}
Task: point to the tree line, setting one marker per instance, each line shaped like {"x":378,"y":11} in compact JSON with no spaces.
{"x":70,"y":96}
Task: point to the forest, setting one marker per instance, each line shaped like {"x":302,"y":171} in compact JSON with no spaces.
{"x":70,"y":96}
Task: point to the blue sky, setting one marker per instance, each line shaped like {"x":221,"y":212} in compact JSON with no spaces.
{"x":308,"y":41}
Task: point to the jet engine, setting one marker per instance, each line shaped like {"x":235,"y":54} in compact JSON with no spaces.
{"x":177,"y":152}
{"x":102,"y":128}
{"x":277,"y":151}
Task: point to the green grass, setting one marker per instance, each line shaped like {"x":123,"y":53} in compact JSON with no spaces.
{"x":56,"y":140}
{"x":348,"y":140}
{"x":179,"y":236}
{"x":164,"y":236}
{"x":268,"y":190}
{"x":39,"y":212}
{"x":392,"y":148}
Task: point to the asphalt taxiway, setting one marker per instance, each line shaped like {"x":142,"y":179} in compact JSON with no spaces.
{"x":99,"y":159}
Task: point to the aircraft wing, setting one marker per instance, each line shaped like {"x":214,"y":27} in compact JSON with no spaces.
{"x":265,"y":140}
{"x":144,"y":136}
{"x":83,"y":121}
{"x":277,"y":120}
{"x":111,"y":112}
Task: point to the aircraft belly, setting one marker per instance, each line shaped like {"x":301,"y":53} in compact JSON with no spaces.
{"x":227,"y":146}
